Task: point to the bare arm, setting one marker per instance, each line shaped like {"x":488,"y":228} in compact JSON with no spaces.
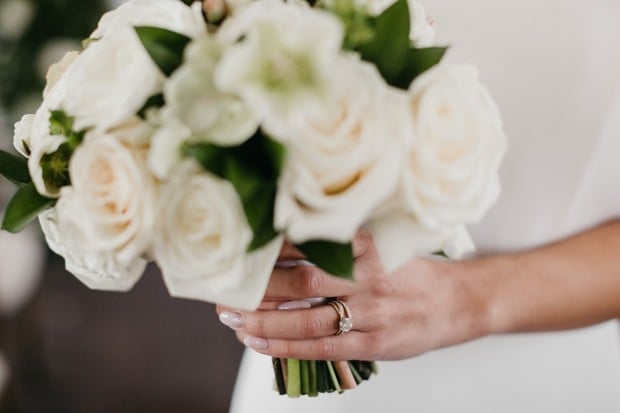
{"x":569,"y":284}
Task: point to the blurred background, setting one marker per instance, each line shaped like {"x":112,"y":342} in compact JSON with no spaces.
{"x":63,"y":347}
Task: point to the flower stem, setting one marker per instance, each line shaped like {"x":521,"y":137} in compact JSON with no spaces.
{"x":293,"y":389}
{"x":333,"y":377}
{"x":305,"y":376}
{"x":345,"y":376}
{"x":277,"y":371}
{"x":313,"y":390}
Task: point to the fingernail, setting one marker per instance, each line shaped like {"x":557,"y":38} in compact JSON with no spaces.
{"x":256,"y":343}
{"x":316,"y":300}
{"x":232,"y":320}
{"x":295,"y":305}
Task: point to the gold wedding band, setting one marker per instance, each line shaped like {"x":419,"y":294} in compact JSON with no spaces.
{"x":345,"y":323}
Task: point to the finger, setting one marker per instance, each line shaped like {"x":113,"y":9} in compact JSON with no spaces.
{"x":289,"y":252}
{"x":305,"y":281}
{"x":295,"y":324}
{"x":349,"y":346}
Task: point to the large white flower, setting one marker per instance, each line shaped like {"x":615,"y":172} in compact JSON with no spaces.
{"x":165,"y":152}
{"x":99,"y":270}
{"x":169,"y":14}
{"x":450,"y":177}
{"x":399,"y":237}
{"x":21,"y":137}
{"x":192,"y":97}
{"x":451,"y":174}
{"x":112,"y":79}
{"x":58,"y":69}
{"x":34,"y":132}
{"x":280,"y":57}
{"x":344,"y":162}
{"x":202,"y":240}
{"x":111,"y":197}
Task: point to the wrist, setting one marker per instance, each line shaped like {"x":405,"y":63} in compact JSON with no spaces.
{"x":483,"y":280}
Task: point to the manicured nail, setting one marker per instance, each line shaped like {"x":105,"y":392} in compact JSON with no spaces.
{"x":256,"y":343}
{"x":295,"y":305}
{"x":316,"y":300}
{"x":232,"y":320}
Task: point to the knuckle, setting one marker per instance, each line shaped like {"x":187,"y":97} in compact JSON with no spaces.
{"x":285,"y":350}
{"x":362,"y":242}
{"x":311,"y":282}
{"x":256,"y":325}
{"x":375,"y":345}
{"x":327,"y":349}
{"x":312,"y":325}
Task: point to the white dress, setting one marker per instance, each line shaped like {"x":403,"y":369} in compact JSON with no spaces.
{"x":554,"y":68}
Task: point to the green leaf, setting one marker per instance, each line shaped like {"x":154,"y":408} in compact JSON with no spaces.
{"x":25,"y":206}
{"x":164,"y":46}
{"x":418,"y":61}
{"x":335,"y":258}
{"x":14,"y":168}
{"x":253,"y":169}
{"x":154,"y":102}
{"x":60,"y":123}
{"x":210,"y":157}
{"x":390,"y":44}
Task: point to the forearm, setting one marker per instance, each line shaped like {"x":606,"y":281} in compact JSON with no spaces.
{"x":569,"y":284}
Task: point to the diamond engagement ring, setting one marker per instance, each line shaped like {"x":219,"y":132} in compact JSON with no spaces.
{"x":345,"y":324}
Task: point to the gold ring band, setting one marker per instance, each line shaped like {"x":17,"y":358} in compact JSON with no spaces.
{"x":345,"y":323}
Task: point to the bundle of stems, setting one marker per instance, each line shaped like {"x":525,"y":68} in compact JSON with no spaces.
{"x":296,"y":378}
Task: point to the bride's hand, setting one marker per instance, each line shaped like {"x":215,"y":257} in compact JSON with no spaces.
{"x":424,"y":305}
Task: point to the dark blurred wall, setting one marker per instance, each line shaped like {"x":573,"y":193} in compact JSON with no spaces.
{"x":77,"y":350}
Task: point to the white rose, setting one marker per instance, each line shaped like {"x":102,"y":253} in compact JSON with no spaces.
{"x":111,"y":198}
{"x":112,"y":79}
{"x":57,"y":70}
{"x":40,"y":141}
{"x":450,"y":177}
{"x":202,"y":240}
{"x":23,"y":131}
{"x":168,"y":14}
{"x":99,"y":270}
{"x":398,"y":238}
{"x":451,"y":174}
{"x":421,"y":28}
{"x":192,"y":97}
{"x":280,"y":57}
{"x":343,"y":163}
{"x":165,"y":152}
{"x":45,"y":145}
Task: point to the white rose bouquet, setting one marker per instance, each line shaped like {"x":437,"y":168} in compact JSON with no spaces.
{"x":201,"y":137}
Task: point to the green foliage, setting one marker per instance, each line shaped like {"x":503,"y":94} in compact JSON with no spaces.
{"x":55,"y":165}
{"x":390,"y":49}
{"x":335,"y":258}
{"x":164,"y":46}
{"x":253,"y":168}
{"x":25,"y":206}
{"x":154,"y":102}
{"x":14,"y":168}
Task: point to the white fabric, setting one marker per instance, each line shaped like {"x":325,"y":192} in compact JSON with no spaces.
{"x":554,"y":67}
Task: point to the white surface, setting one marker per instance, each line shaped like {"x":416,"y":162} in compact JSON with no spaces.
{"x":554,"y":67}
